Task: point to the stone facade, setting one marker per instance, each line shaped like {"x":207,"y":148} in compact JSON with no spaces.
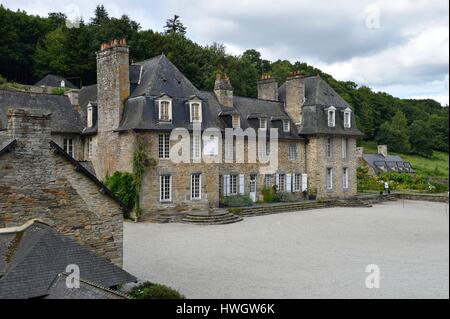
{"x":35,"y":182}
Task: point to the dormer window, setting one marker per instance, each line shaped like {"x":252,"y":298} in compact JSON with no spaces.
{"x":263,"y":123}
{"x":236,"y":121}
{"x":286,"y":126}
{"x":62,"y":84}
{"x":331,"y":116}
{"x":348,"y":118}
{"x":90,"y":116}
{"x":165,"y":110}
{"x":195,"y":111}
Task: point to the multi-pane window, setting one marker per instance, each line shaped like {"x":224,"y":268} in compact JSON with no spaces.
{"x":210,"y":145}
{"x":268,"y":180}
{"x":229,"y":149}
{"x":328,"y":148}
{"x":196,"y":112}
{"x":165,"y":188}
{"x":262,"y":150}
{"x":292,"y":152}
{"x":286,"y":126}
{"x":90,"y":147}
{"x":347,"y":118}
{"x":236,"y":121}
{"x":282,"y":182}
{"x":331,"y":116}
{"x":345,"y":178}
{"x":297,"y":182}
{"x":344,"y":147}
{"x":90,"y":118}
{"x":329,"y":178}
{"x":233,"y":184}
{"x":196,"y":185}
{"x":164,"y":145}
{"x":263,"y":123}
{"x":68,"y":146}
{"x":165,"y":112}
{"x":196,"y":146}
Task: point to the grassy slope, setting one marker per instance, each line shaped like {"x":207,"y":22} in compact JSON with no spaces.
{"x":437,"y":166}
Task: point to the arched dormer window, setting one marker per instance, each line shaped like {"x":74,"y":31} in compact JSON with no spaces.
{"x":331,"y":116}
{"x":164,"y":108}
{"x":348,"y":118}
{"x":195,"y":110}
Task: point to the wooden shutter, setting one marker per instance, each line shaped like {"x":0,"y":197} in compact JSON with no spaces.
{"x":241,"y":184}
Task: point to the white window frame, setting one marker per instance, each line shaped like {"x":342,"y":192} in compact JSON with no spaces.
{"x":207,"y":149}
{"x":268,"y":183}
{"x":196,"y":147}
{"x":163,"y":145}
{"x":235,"y":121}
{"x":69,"y":146}
{"x":329,"y":147}
{"x":196,"y":186}
{"x":347,"y":118}
{"x":297,"y":183}
{"x":331,"y":116}
{"x":286,"y":126}
{"x":191,"y":111}
{"x":229,"y":149}
{"x":169,"y":110}
{"x":345,"y":178}
{"x":292,"y":152}
{"x":261,"y":121}
{"x":233,"y":185}
{"x":162,"y":188}
{"x":329,"y":178}
{"x":281,"y":182}
{"x":90,"y":116}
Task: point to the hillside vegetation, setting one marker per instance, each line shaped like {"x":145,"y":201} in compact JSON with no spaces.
{"x":32,"y":46}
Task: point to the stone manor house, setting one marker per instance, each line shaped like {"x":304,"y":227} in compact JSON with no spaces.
{"x":101,"y":125}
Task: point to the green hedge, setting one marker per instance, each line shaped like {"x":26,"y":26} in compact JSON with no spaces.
{"x":149,"y":290}
{"x":237,"y":201}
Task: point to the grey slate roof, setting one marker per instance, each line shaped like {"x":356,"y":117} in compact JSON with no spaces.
{"x":33,"y":257}
{"x":160,"y":75}
{"x":319,"y":96}
{"x":380,"y":163}
{"x":55,"y":81}
{"x":64,"y":118}
{"x":86,"y":290}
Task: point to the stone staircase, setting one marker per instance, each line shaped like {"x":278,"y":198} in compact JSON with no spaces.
{"x":211,"y":217}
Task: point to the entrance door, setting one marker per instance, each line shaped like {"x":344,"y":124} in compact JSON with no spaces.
{"x":252,"y":187}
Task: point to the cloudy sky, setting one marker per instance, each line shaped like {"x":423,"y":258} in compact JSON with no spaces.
{"x":400,"y":47}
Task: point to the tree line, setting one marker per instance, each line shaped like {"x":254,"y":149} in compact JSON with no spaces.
{"x":33,"y":46}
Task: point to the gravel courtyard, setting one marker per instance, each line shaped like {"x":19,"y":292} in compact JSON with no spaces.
{"x":310,"y":254}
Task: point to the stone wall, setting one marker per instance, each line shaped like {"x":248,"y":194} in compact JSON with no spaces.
{"x":37,"y":183}
{"x":318,"y":162}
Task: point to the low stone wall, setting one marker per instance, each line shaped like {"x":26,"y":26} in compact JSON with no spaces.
{"x":423,"y":197}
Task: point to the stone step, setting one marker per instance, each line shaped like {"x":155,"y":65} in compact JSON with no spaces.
{"x":215,"y":218}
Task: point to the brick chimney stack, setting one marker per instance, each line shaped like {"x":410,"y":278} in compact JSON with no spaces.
{"x":295,"y":96}
{"x":267,"y":88}
{"x":223,"y":90}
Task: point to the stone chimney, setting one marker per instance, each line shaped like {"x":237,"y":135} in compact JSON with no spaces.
{"x":223,"y":90}
{"x":113,"y":83}
{"x":382,"y":150}
{"x":359,"y":152}
{"x":267,"y":88}
{"x":295,"y":96}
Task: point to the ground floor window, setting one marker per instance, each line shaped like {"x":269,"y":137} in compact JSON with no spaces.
{"x":233,"y":184}
{"x":68,"y":146}
{"x":196,"y":186}
{"x":282,"y":182}
{"x":268,"y":181}
{"x":329,"y":178}
{"x":165,"y":188}
{"x":297,"y":182}
{"x":345,"y":178}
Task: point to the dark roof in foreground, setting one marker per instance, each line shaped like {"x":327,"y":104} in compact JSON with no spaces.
{"x":32,"y":256}
{"x":381,"y":163}
{"x":55,"y":81}
{"x":64,"y":117}
{"x":86,"y":290}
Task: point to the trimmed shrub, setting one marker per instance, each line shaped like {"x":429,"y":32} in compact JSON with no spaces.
{"x":237,"y":201}
{"x":123,"y":186}
{"x":269,"y":194}
{"x":149,"y":290}
{"x":285,"y":197}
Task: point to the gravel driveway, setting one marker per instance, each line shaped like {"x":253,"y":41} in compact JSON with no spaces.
{"x":311,"y":254}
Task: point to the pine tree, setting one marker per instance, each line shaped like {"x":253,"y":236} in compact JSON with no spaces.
{"x":175,"y":26}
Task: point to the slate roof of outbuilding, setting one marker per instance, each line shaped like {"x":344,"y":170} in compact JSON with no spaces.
{"x":55,"y":81}
{"x":377,"y":160}
{"x":31,"y":258}
{"x":64,"y":117}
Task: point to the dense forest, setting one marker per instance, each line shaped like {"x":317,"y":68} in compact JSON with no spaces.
{"x":33,"y":46}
